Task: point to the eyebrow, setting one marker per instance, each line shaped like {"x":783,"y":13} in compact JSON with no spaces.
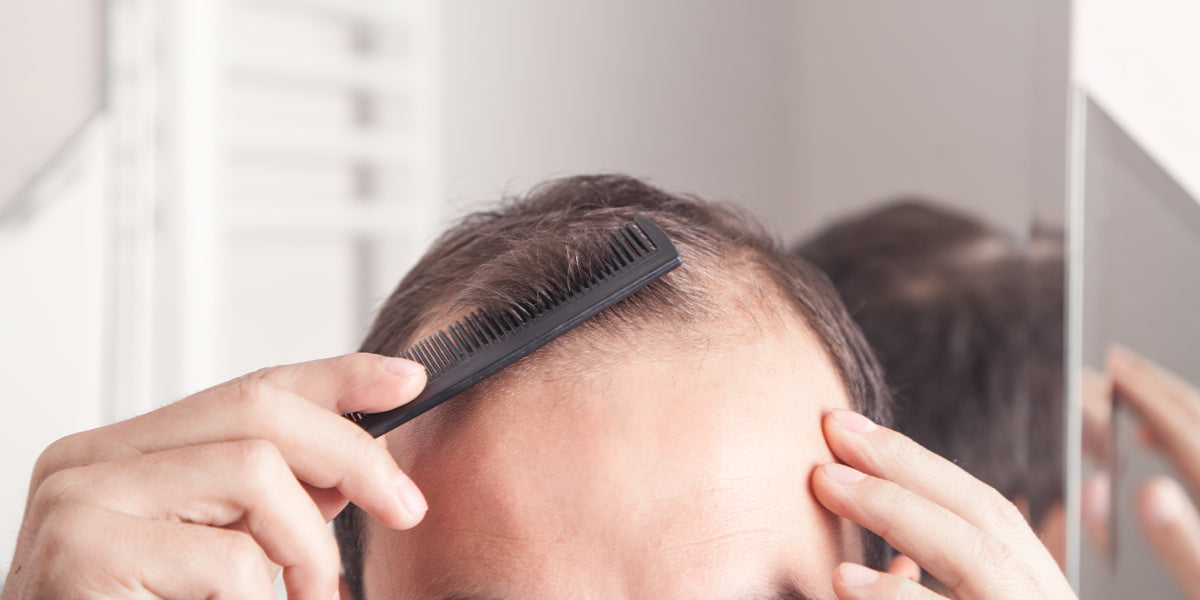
{"x":784,"y":592}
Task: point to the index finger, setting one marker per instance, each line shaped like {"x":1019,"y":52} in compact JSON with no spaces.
{"x":891,"y":456}
{"x":1169,"y":404}
{"x":973,"y":564}
{"x":352,"y":382}
{"x":301,"y":419}
{"x":347,"y":383}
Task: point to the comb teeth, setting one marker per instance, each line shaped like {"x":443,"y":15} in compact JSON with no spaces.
{"x":485,"y":341}
{"x":482,"y":328}
{"x":460,"y":340}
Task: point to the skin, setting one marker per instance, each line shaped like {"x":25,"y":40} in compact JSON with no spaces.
{"x":204,"y":497}
{"x":682,"y":473}
{"x":710,"y":470}
{"x":724,"y":484}
{"x":1170,"y":411}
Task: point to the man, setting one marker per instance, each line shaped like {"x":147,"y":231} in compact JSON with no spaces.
{"x":679,"y":445}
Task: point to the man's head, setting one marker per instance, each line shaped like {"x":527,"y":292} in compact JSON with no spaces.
{"x":662,"y":449}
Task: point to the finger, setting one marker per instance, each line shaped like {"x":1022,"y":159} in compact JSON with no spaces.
{"x":243,"y":484}
{"x":88,"y":551}
{"x":353,"y":382}
{"x":903,"y":566}
{"x":350,"y":382}
{"x":889,"y":455}
{"x":972,"y":564}
{"x":325,"y":450}
{"x":1173,"y":528}
{"x":1168,"y":404}
{"x":1097,"y":414}
{"x":1148,"y":439}
{"x":322,"y":448}
{"x":1096,"y":500}
{"x":856,"y":582}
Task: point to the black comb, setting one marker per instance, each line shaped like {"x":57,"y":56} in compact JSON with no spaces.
{"x":480,"y":344}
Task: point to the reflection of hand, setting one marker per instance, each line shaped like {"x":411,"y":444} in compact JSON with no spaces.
{"x":961,"y":531}
{"x":1096,"y":390}
{"x":199,"y":498}
{"x":1170,"y":409}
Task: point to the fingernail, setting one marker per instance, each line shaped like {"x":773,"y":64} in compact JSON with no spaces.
{"x":857,"y":575}
{"x":853,"y":421}
{"x":1167,"y":504}
{"x":402,"y":367}
{"x":843,"y":474}
{"x":410,"y":497}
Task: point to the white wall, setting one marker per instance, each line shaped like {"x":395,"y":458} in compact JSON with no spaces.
{"x":690,"y":94}
{"x":801,"y":110}
{"x":963,"y":101}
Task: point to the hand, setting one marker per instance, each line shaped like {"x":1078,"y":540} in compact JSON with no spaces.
{"x":1170,"y":410}
{"x":204,"y":497}
{"x":961,"y":531}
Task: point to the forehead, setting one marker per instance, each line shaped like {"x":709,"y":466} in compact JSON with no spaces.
{"x":651,"y":468}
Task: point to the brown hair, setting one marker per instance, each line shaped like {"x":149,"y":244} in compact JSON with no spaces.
{"x":492,"y":258}
{"x":968,"y":323}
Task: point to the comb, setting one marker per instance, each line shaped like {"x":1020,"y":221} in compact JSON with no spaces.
{"x":485,"y":341}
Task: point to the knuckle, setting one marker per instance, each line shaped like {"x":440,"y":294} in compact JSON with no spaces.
{"x":256,"y":399}
{"x":1005,"y":510}
{"x":995,"y":556}
{"x":897,"y":501}
{"x":243,"y":556}
{"x":365,"y":446}
{"x":252,"y":389}
{"x":381,"y":465}
{"x":1006,"y":575}
{"x":61,"y":454}
{"x":985,"y":555}
{"x":362,"y":363}
{"x":366,"y":462}
{"x":257,"y":459}
{"x":57,"y":490}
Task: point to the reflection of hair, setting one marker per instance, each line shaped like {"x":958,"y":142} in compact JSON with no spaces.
{"x":525,"y":244}
{"x":969,"y":327}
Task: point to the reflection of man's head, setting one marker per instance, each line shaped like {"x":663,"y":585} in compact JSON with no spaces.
{"x":968,"y":323}
{"x":660,"y":450}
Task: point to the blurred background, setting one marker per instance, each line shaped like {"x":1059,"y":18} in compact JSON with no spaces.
{"x":194,"y":189}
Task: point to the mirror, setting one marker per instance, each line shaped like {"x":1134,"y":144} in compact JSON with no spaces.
{"x":1140,"y":275}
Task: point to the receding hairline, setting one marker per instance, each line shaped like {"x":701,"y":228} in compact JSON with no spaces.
{"x":745,"y":309}
{"x":748,"y":304}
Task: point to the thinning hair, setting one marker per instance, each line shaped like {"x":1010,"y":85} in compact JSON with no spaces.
{"x":545,"y":239}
